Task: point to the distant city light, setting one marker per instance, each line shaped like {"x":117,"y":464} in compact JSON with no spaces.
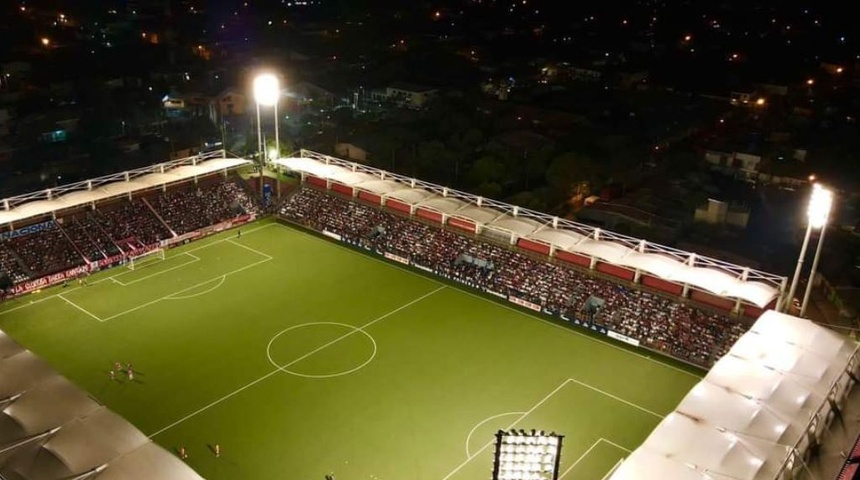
{"x":687,"y":38}
{"x":46,"y":41}
{"x":810,"y":81}
{"x":760,"y":102}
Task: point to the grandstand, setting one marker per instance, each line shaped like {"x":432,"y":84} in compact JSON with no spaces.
{"x":58,"y":234}
{"x":722,"y":285}
{"x":776,"y":382}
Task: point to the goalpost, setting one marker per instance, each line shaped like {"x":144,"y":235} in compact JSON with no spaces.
{"x":139,"y":261}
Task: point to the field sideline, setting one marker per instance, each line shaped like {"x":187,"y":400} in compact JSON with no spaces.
{"x":301,"y":357}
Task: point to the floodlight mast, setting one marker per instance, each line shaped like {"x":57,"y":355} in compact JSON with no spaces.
{"x":821,"y":215}
{"x":267,"y":92}
{"x":817,"y":213}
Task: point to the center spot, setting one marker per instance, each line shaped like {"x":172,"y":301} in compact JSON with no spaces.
{"x":321,"y":349}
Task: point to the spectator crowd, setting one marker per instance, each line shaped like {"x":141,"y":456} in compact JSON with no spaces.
{"x":656,"y":321}
{"x":120,"y":227}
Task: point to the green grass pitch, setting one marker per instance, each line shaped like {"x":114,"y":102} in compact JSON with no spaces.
{"x":301,"y":357}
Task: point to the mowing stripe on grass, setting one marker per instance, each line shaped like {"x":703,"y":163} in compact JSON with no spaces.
{"x":277,"y":370}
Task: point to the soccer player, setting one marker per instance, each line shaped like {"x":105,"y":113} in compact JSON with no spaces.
{"x":113,"y":375}
{"x":239,"y":233}
{"x":117,"y":366}
{"x":217,"y":449}
{"x":182,"y":454}
{"x":130,"y":373}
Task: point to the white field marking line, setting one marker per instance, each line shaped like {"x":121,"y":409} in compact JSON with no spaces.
{"x":612,"y":470}
{"x":332,"y":375}
{"x":184,"y":297}
{"x":195,"y":257}
{"x":160,"y":272}
{"x":472,"y":431}
{"x":617,"y":398}
{"x":524,"y":415}
{"x":278,"y":370}
{"x":248,"y":248}
{"x":568,"y":469}
{"x":616,"y":445}
{"x":460,"y":288}
{"x":111,"y":278}
{"x":185,"y":289}
{"x":79,"y":307}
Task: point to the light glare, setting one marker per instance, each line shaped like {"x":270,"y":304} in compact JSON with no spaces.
{"x":266,"y":89}
{"x":819,"y":206}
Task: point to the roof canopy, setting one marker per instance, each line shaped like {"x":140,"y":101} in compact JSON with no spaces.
{"x":706,"y":274}
{"x":23,"y":207}
{"x":51,"y":429}
{"x":755,"y":410}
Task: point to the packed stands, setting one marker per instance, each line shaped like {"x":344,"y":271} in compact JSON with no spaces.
{"x":186,"y":210}
{"x":656,"y":321}
{"x":46,"y":251}
{"x":119,"y":227}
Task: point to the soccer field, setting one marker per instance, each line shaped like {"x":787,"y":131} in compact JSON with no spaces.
{"x":301,"y":357}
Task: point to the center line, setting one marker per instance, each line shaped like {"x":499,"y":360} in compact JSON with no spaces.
{"x":277,"y":370}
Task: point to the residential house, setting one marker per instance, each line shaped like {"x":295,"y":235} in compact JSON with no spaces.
{"x":410,"y":95}
{"x":229,"y":103}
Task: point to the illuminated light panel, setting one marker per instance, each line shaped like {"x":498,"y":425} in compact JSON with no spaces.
{"x":526,"y":455}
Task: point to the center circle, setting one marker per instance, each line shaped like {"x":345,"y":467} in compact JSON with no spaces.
{"x":286,"y":367}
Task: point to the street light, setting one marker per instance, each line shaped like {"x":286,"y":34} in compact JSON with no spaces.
{"x":820,"y":216}
{"x":819,"y":209}
{"x":267,"y":92}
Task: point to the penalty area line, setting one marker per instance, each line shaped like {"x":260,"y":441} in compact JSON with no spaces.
{"x":279,"y":369}
{"x":524,"y":415}
{"x":79,"y":307}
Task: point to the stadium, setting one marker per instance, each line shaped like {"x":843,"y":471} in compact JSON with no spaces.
{"x":179,"y":322}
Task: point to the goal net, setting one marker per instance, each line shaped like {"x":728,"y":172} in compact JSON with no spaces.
{"x":139,"y":261}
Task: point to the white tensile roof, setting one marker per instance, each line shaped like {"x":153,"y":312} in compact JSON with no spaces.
{"x":503,"y":217}
{"x":519,"y":225}
{"x":754,"y":411}
{"x":103,"y":191}
{"x":380,"y":186}
{"x":410,"y":195}
{"x":50,"y":428}
{"x":447,"y":205}
{"x":480,"y":215}
{"x":560,"y":237}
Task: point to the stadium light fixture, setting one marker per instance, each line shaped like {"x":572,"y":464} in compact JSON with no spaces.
{"x":533,"y":455}
{"x":267,"y":92}
{"x":819,"y":209}
{"x":819,"y":213}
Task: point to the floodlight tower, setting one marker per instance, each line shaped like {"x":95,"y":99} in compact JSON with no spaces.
{"x":823,"y":216}
{"x":267,"y":92}
{"x":819,"y":208}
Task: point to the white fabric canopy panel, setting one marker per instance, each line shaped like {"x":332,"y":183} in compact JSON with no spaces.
{"x":519,"y":225}
{"x":561,"y":238}
{"x":727,"y":409}
{"x":84,"y":197}
{"x":754,"y":412}
{"x":607,"y":251}
{"x":380,"y":187}
{"x":711,"y":450}
{"x":352,"y":179}
{"x":479,"y":215}
{"x":410,"y":196}
{"x":644,"y":464}
{"x":447,"y":205}
{"x":803,"y":333}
